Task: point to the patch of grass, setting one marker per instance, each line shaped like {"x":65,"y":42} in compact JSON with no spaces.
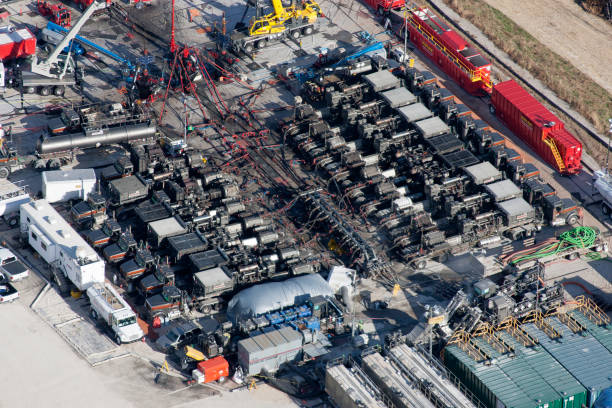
{"x":570,"y":84}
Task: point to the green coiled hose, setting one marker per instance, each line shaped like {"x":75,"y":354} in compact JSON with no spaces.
{"x":579,"y":237}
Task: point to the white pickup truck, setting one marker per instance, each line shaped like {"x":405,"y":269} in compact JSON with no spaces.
{"x":108,"y":305}
{"x":8,"y":292}
{"x":11,"y":266}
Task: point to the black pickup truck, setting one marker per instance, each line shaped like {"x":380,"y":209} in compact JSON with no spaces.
{"x":118,"y":251}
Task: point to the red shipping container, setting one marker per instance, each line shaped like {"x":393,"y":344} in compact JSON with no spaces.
{"x":533,"y":123}
{"x":16,"y":44}
{"x":214,"y":369}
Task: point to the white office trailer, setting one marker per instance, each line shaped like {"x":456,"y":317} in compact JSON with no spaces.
{"x":11,"y":197}
{"x":60,"y":245}
{"x":64,"y":185}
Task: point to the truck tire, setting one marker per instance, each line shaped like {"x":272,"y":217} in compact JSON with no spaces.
{"x":54,"y":164}
{"x":572,"y":256}
{"x":605,"y":209}
{"x":4,"y":172}
{"x":117,"y":339}
{"x":44,"y":91}
{"x":420,"y":264}
{"x":59,"y":90}
{"x":206,"y":309}
{"x":30,"y":90}
{"x":94,"y":314}
{"x":572,"y":219}
{"x":307,"y":30}
{"x":295,"y":34}
{"x":13,"y":221}
{"x":248,"y":48}
{"x":261,"y":44}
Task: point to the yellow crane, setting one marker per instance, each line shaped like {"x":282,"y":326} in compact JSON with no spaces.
{"x":292,"y":21}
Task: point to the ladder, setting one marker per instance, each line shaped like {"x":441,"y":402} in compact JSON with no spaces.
{"x":555,"y":151}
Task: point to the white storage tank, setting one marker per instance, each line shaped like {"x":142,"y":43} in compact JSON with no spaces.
{"x":64,"y":185}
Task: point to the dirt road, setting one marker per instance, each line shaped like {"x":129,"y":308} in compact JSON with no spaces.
{"x":580,"y":37}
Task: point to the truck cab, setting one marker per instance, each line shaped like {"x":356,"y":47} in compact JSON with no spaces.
{"x":138,"y":266}
{"x":165,"y":302}
{"x":118,"y":251}
{"x":561,"y":211}
{"x":90,"y":212}
{"x":125,"y":325}
{"x":163,"y":275}
{"x":68,"y":120}
{"x":109,"y":231}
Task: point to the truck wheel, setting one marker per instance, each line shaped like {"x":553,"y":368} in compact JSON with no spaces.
{"x":206,"y":309}
{"x":4,"y":172}
{"x":260,"y":44}
{"x":572,"y":256}
{"x":94,"y":314}
{"x":40,"y":165}
{"x":572,"y":219}
{"x":44,"y":91}
{"x":605,"y":209}
{"x":295,"y":34}
{"x":30,"y":89}
{"x":248,"y":48}
{"x":307,"y":30}
{"x":421,"y":264}
{"x":59,"y":90}
{"x":13,"y":221}
{"x":117,"y":339}
{"x":54,"y":164}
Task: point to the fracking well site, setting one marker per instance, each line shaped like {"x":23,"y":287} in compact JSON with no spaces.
{"x":309,"y":204}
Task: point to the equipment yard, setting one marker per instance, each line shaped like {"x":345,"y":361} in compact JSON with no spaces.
{"x":289,"y":204}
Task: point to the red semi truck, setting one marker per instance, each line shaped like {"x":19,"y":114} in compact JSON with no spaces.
{"x":382,"y":6}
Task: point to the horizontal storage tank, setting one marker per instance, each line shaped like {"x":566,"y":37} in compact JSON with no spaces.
{"x":403,"y":392}
{"x":537,"y":126}
{"x":441,"y":389}
{"x":349,"y":390}
{"x":95,"y":138}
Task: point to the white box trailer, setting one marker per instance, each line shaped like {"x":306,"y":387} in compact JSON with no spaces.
{"x":11,"y":198}
{"x":60,"y":245}
{"x":64,"y":185}
{"x":108,"y":305}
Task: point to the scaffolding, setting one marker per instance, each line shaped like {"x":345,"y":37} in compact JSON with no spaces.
{"x":485,"y":330}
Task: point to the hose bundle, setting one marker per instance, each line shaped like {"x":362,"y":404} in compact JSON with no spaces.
{"x":576,"y":238}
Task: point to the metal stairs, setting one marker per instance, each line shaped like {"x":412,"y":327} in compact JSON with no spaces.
{"x":555,"y":151}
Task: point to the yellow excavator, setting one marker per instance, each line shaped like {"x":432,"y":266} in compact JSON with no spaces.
{"x":293,"y":21}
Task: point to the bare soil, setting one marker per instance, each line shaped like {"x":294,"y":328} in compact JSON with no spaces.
{"x":564,"y":27}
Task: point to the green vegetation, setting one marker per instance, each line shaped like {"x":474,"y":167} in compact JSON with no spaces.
{"x":583,"y":94}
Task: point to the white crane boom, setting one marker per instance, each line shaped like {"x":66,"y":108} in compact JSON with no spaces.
{"x":44,"y":68}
